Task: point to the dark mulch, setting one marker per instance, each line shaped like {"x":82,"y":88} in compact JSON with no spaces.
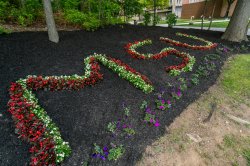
{"x":82,"y":115}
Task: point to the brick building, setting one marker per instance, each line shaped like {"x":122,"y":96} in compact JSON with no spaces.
{"x":188,"y":8}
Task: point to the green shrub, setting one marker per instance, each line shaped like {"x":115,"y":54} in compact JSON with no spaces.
{"x":147,"y":18}
{"x":75,"y":16}
{"x":22,"y":17}
{"x":4,"y":31}
{"x":89,"y":21}
{"x":156,"y":20}
{"x":116,"y":153}
{"x":171,"y":19}
{"x":4,"y":10}
{"x":70,"y":4}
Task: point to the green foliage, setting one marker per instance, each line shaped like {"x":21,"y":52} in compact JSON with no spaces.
{"x":144,"y":105}
{"x":156,"y":19}
{"x":112,"y":127}
{"x":171,"y":19}
{"x":23,"y":15}
{"x":229,"y":141}
{"x":159,"y":3}
{"x":70,"y":4}
{"x":127,"y":111}
{"x":4,"y":10}
{"x":88,"y":21}
{"x":183,"y":84}
{"x":195,"y":79}
{"x":98,"y":149}
{"x":246,"y":154}
{"x":91,"y":22}
{"x":75,"y":16}
{"x":147,"y":18}
{"x":116,"y":153}
{"x":4,"y":31}
{"x":129,"y":131}
{"x":131,"y":7}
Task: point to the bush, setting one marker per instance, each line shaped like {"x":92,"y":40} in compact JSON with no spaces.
{"x":4,"y":31}
{"x":88,"y":21}
{"x":4,"y":10}
{"x":171,"y":19}
{"x":91,"y":22}
{"x":147,"y":18}
{"x":74,"y":16}
{"x":22,"y":17}
{"x":156,"y":20}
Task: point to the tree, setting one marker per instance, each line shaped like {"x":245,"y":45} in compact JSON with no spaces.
{"x":52,"y":32}
{"x":229,"y":2}
{"x":238,"y":25}
{"x":154,"y":4}
{"x":130,"y":8}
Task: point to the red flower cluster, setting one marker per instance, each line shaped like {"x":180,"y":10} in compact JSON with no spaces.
{"x":54,"y":83}
{"x":30,"y":128}
{"x":185,"y":45}
{"x":128,"y":68}
{"x":185,"y":58}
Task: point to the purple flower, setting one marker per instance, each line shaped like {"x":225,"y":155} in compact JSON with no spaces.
{"x":157,"y":124}
{"x":169,"y":102}
{"x":148,"y":110}
{"x":124,"y":126}
{"x":94,"y":155}
{"x":151,"y":120}
{"x":103,"y":158}
{"x":105,"y":149}
{"x":225,"y":49}
{"x":162,"y":101}
{"x":106,"y":153}
{"x":161,"y":107}
{"x":159,"y":97}
{"x":178,"y":93}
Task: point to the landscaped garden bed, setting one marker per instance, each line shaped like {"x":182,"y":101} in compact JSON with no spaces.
{"x":100,"y":97}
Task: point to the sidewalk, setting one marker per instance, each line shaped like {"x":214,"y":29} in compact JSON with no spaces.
{"x":199,"y":22}
{"x":205,"y":28}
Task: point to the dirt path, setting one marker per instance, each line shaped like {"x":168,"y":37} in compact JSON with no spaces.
{"x":194,"y":140}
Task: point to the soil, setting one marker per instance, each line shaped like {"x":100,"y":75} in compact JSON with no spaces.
{"x":82,"y":116}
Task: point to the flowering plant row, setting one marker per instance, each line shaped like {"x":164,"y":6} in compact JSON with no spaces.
{"x":186,"y":64}
{"x":209,"y":45}
{"x":32,"y":122}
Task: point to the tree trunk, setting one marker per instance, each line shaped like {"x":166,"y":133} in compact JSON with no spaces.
{"x":52,"y":32}
{"x":203,"y":15}
{"x":154,"y":21}
{"x":237,"y":28}
{"x":228,"y":8}
{"x":212,"y":16}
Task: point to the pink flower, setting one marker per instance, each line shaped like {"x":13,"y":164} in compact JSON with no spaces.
{"x":157,"y":124}
{"x":161,"y":107}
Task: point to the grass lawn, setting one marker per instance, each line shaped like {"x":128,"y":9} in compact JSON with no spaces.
{"x":236,"y":78}
{"x":214,"y":24}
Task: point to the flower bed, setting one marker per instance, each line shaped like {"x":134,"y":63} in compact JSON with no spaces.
{"x":36,"y":127}
{"x":186,"y":64}
{"x":209,"y":45}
